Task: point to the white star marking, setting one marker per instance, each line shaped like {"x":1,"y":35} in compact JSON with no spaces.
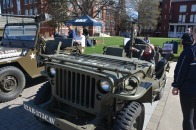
{"x":32,"y":56}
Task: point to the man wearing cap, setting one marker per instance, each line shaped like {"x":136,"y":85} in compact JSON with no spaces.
{"x":71,"y":33}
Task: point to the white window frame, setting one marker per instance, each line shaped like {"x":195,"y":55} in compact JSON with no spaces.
{"x":193,"y":18}
{"x":98,"y":28}
{"x":8,"y":3}
{"x":183,"y":8}
{"x":193,"y":8}
{"x":4,"y":5}
{"x":35,"y":10}
{"x":31,"y":12}
{"x":0,"y":9}
{"x":26,"y":2}
{"x":26,"y":12}
{"x":182,"y":18}
{"x":11,"y":4}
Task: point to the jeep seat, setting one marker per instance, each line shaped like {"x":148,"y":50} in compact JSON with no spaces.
{"x":66,"y":42}
{"x":115,"y":51}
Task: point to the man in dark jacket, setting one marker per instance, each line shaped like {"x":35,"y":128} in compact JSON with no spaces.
{"x":185,"y":83}
{"x":72,"y":32}
{"x":187,"y":39}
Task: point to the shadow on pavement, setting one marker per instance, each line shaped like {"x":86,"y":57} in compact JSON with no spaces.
{"x":32,"y":82}
{"x":14,"y":117}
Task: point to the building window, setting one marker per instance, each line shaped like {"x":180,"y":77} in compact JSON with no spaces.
{"x":171,"y":18}
{"x":8,"y":3}
{"x":182,"y":8}
{"x":193,"y":8}
{"x":11,"y":3}
{"x":98,"y":28}
{"x":193,"y":18}
{"x":180,"y":29}
{"x":35,"y":1}
{"x":30,"y":1}
{"x":30,"y":12}
{"x":26,"y":12}
{"x":181,"y":18}
{"x":35,"y":10}
{"x":4,"y":5}
{"x":165,"y":16}
{"x":0,"y":9}
{"x":26,"y":2}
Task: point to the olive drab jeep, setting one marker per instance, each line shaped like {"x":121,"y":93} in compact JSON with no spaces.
{"x":97,"y":91}
{"x":19,"y":48}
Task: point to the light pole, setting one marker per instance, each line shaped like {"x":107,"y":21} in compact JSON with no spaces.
{"x":133,"y":22}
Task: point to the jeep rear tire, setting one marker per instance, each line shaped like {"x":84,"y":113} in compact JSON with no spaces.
{"x":131,"y":117}
{"x":12,"y":82}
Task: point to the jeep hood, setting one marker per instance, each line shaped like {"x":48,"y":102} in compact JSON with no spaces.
{"x":9,"y":52}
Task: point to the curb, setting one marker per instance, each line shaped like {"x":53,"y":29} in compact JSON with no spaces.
{"x":157,"y":114}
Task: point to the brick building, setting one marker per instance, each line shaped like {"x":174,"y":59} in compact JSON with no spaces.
{"x":31,"y":7}
{"x":177,"y":15}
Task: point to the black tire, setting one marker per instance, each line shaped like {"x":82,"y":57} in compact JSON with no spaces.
{"x":12,"y":82}
{"x":131,"y":117}
{"x":43,"y":95}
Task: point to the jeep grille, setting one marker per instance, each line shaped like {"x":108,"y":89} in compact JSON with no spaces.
{"x":75,"y":87}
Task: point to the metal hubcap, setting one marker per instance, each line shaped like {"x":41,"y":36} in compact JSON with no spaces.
{"x":8,"y":83}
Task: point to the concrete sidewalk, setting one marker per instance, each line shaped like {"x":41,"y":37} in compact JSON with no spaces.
{"x":171,"y":118}
{"x":167,"y":114}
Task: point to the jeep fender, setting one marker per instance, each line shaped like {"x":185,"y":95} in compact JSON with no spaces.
{"x":142,"y":94}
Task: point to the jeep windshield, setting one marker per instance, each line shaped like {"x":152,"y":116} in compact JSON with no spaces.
{"x":19,"y":36}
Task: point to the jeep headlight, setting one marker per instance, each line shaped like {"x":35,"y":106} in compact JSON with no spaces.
{"x":51,"y":72}
{"x":134,"y":81}
{"x":105,"y":86}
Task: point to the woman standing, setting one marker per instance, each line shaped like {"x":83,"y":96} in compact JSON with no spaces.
{"x":185,"y":84}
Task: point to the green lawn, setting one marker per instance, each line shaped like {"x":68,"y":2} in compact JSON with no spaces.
{"x":117,"y":41}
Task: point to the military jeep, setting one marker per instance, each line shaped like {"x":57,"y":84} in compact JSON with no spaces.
{"x":97,"y":91}
{"x":18,"y":55}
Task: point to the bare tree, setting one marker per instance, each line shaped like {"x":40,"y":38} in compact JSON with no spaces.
{"x":148,"y":12}
{"x":121,"y":17}
{"x":89,"y":7}
{"x":56,"y":8}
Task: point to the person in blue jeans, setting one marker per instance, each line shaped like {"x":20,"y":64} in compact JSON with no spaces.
{"x":184,"y":84}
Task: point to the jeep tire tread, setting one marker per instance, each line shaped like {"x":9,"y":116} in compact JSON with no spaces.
{"x":131,"y":117}
{"x":12,"y":82}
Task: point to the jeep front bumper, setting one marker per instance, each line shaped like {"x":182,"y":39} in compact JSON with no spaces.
{"x":52,"y":119}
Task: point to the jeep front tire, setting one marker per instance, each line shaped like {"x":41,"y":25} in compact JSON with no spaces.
{"x":131,"y":117}
{"x":12,"y":82}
